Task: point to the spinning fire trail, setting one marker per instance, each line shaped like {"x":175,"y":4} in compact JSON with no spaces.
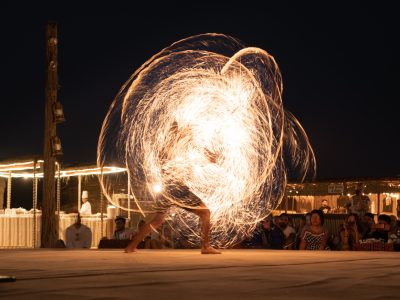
{"x":206,"y":112}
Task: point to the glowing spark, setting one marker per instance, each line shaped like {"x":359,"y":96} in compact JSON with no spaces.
{"x":157,"y":188}
{"x":207,"y":113}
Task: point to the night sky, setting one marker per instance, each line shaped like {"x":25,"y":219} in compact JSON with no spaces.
{"x":338,"y":62}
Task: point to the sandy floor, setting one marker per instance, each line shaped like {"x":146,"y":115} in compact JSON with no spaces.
{"x":185,"y":274}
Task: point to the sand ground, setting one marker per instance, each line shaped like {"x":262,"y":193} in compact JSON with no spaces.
{"x":186,"y":274}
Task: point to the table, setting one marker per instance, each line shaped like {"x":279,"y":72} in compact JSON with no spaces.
{"x":16,"y":230}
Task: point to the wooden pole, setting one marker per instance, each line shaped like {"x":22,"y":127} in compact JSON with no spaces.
{"x":79,"y":191}
{"x":9,"y":184}
{"x":34,"y":205}
{"x":49,"y":219}
{"x":59,"y":196}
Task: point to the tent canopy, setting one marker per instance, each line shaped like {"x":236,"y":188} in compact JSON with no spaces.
{"x":25,"y":168}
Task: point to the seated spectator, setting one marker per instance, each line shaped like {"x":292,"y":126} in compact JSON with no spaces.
{"x":367,"y":225}
{"x":382,"y":229}
{"x":268,"y":236}
{"x":121,"y":236}
{"x":315,"y":237}
{"x":288,"y":231}
{"x":78,"y":235}
{"x":121,"y":232}
{"x":350,"y":234}
{"x":305,"y":223}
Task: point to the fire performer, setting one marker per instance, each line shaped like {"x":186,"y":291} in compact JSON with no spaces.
{"x":177,"y":192}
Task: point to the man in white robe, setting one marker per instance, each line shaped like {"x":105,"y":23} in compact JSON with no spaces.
{"x":78,"y":235}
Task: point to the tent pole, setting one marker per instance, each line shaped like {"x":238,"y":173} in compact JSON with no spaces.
{"x":79,"y":191}
{"x":58,"y":196}
{"x":9,"y":183}
{"x":34,"y":205}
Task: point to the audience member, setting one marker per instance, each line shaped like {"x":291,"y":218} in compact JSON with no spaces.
{"x":314,"y":237}
{"x":78,"y":235}
{"x":121,"y":232}
{"x":350,"y":234}
{"x":382,"y":229}
{"x":268,"y":235}
{"x":367,"y":225}
{"x":121,"y":236}
{"x":288,"y":231}
{"x":305,"y":223}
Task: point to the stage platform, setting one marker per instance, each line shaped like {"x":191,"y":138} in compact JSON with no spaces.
{"x":186,"y":274}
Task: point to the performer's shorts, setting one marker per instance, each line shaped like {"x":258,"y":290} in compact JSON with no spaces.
{"x":180,"y":196}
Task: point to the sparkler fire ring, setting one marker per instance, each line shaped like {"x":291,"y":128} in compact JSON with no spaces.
{"x":206,"y":114}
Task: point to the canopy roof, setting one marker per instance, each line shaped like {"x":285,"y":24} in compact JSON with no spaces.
{"x":34,"y":168}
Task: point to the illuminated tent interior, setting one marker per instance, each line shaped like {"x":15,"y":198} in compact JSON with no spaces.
{"x":21,"y":228}
{"x":301,"y":198}
{"x":384,"y":194}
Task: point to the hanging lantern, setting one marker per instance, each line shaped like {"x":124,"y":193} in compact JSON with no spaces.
{"x":56,"y":149}
{"x":58,"y":113}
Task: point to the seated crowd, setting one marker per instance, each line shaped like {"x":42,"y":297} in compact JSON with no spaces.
{"x":274,"y":232}
{"x":279,"y":232}
{"x":79,"y":235}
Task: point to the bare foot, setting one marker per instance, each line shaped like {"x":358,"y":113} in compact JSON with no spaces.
{"x":209,"y":250}
{"x":130,"y":249}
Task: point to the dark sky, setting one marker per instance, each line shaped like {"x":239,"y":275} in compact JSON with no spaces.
{"x":338,"y":61}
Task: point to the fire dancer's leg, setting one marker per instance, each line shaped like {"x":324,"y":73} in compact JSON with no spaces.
{"x":156,"y":221}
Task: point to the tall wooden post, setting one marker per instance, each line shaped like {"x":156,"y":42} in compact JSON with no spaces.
{"x":49,"y":219}
{"x":34,"y":205}
{"x":9,"y":184}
